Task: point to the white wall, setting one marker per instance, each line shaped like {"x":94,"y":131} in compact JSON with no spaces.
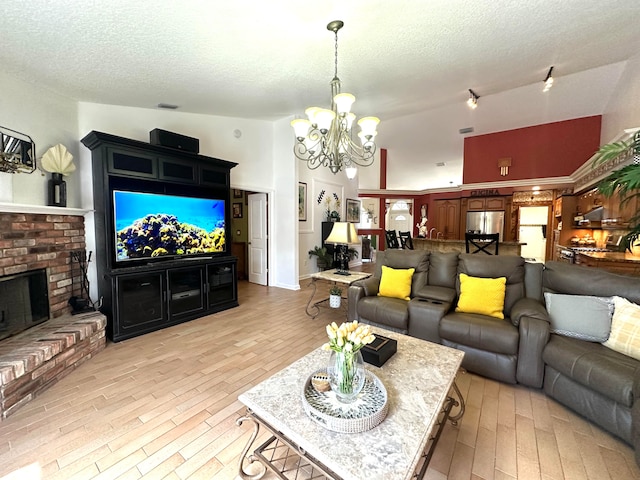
{"x":48,"y":119}
{"x":311,"y":230}
{"x":623,"y":110}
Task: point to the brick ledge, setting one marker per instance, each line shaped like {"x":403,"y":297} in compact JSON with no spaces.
{"x":40,"y":356}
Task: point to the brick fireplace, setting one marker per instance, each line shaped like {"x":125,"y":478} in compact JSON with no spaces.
{"x":33,"y":360}
{"x":30,"y":241}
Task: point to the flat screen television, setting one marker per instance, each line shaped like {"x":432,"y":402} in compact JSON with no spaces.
{"x":152,"y":225}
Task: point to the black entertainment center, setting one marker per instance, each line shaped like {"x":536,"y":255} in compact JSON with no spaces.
{"x":163,"y":238}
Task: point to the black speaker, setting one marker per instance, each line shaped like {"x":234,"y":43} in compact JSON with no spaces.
{"x":174,"y":140}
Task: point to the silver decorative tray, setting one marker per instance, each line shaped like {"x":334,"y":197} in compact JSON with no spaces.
{"x":367,"y":411}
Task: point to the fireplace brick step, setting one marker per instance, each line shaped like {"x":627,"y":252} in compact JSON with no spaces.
{"x":35,"y":359}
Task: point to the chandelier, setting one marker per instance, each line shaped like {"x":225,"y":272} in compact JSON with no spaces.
{"x":325,"y":139}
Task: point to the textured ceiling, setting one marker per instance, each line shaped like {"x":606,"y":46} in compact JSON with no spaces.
{"x":267,"y":60}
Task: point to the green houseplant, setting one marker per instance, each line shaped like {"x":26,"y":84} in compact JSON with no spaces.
{"x":335,"y":296}
{"x":323,"y":258}
{"x":626,"y":180}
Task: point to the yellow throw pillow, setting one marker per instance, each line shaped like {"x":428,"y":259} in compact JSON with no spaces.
{"x":396,"y":283}
{"x":482,"y":295}
{"x":625,"y":328}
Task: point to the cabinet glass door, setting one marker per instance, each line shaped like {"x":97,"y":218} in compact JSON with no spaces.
{"x":141,"y":303}
{"x":185,"y":290}
{"x":222,"y":288}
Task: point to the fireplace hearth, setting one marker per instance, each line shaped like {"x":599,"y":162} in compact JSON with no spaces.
{"x":24,"y":301}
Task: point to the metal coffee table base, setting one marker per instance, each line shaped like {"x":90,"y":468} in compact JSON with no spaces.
{"x":289,"y":461}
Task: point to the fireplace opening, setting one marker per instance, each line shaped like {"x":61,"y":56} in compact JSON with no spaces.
{"x":24,"y":301}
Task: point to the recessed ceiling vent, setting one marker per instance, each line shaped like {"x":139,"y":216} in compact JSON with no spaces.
{"x":440,"y":164}
{"x":167,"y":106}
{"x":466,"y":130}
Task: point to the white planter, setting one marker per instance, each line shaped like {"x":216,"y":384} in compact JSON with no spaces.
{"x":334,"y":301}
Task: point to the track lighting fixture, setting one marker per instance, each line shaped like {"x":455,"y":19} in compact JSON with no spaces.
{"x":473,"y":100}
{"x":548,"y":82}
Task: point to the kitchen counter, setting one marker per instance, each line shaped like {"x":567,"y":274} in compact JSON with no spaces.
{"x":624,"y":263}
{"x":439,"y":245}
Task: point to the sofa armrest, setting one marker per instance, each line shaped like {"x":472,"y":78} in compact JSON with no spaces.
{"x":357,"y":290}
{"x":434,"y":292}
{"x":534,"y":336}
{"x":528,"y":307}
{"x":635,"y":415}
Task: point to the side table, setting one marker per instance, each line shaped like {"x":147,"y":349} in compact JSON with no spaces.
{"x":313,"y":309}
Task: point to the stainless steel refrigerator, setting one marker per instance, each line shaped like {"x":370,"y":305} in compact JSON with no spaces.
{"x":485,"y":222}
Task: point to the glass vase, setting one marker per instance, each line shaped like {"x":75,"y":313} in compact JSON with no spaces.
{"x":346,"y":375}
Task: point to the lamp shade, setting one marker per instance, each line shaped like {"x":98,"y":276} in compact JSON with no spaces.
{"x":343,"y":233}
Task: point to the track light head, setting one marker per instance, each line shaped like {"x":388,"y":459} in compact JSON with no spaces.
{"x":548,"y":81}
{"x":472,"y":102}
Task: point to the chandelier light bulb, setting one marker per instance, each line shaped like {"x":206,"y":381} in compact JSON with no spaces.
{"x":343,"y":102}
{"x":301,"y":127}
{"x":350,"y":118}
{"x":368,"y":125}
{"x":324,"y":117}
{"x":351,"y":172}
{"x":311,"y":114}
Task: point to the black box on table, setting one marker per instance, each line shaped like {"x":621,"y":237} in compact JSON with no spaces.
{"x":379,"y":351}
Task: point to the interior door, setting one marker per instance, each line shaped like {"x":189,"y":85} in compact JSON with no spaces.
{"x":258,"y":261}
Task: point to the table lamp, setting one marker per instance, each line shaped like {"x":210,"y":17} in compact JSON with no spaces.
{"x":343,"y":234}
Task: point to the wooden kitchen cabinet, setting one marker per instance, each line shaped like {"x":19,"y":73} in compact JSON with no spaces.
{"x":447,"y":221}
{"x":617,"y":215}
{"x":485,"y":203}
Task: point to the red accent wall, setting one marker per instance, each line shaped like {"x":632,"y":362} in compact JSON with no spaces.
{"x":550,"y":150}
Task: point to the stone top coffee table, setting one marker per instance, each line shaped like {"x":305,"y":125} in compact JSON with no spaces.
{"x":417,"y":378}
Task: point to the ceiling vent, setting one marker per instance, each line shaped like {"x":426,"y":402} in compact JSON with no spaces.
{"x":440,"y":164}
{"x":466,"y":130}
{"x":167,"y":106}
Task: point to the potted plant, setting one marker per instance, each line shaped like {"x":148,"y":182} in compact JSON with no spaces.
{"x":324,"y":259}
{"x":335,"y":296}
{"x":626,"y":180}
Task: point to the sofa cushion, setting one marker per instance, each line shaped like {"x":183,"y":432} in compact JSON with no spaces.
{"x":593,"y":366}
{"x":396,"y":282}
{"x":482,"y":295}
{"x":443,"y":269}
{"x":480,"y":332}
{"x":580,"y":316}
{"x":562,"y":277}
{"x":492,"y":266}
{"x":393,"y":312}
{"x":403,"y":259}
{"x":625,"y":328}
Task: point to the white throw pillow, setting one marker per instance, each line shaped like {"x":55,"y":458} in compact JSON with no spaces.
{"x":580,"y":316}
{"x":625,"y":328}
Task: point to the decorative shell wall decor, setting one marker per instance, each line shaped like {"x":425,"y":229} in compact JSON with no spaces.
{"x":58,"y":160}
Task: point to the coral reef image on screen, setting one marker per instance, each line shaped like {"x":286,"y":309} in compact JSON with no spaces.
{"x":155,"y":225}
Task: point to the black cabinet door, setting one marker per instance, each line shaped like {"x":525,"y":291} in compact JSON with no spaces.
{"x":132,"y":163}
{"x":175,"y":170}
{"x":222,"y":285}
{"x":185,"y":291}
{"x":141,"y":303}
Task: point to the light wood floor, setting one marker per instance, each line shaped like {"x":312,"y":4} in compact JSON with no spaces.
{"x":164,"y":405}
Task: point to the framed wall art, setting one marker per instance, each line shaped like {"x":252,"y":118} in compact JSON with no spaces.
{"x":237,"y":210}
{"x":302,"y":202}
{"x":353,"y":210}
